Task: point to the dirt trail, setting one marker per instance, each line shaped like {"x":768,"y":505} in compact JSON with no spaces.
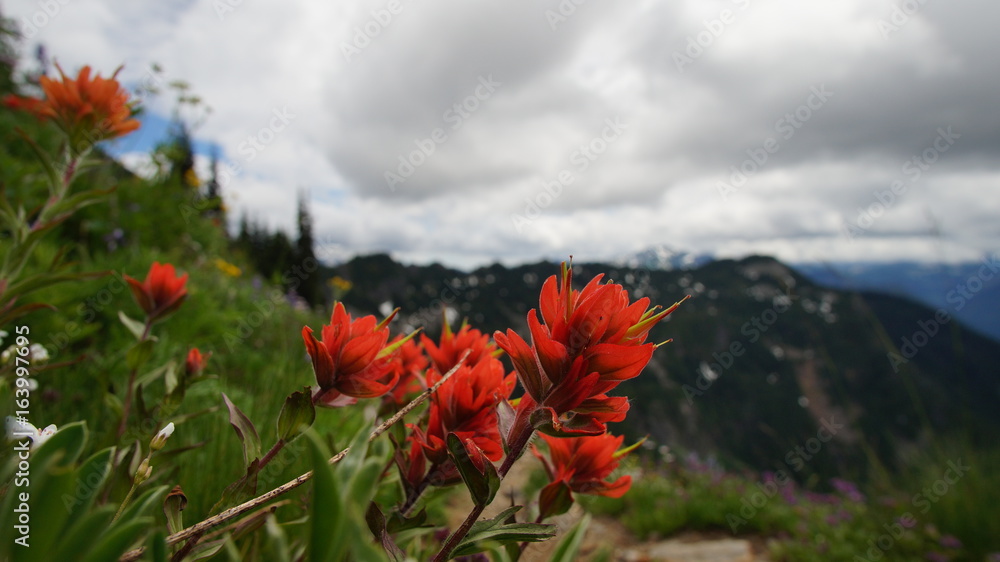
{"x":605,"y":532}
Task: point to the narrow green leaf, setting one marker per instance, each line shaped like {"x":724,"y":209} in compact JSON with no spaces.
{"x":277,"y":541}
{"x":173,"y":505}
{"x":488,"y":532}
{"x":137,"y":328}
{"x":245,"y":430}
{"x":139,"y":354}
{"x":482,"y":483}
{"x":157,"y":547}
{"x":67,"y":443}
{"x":568,"y":548}
{"x":141,"y":506}
{"x":84,"y":533}
{"x":239,"y":491}
{"x":327,"y":514}
{"x":297,"y":415}
{"x":115,"y":542}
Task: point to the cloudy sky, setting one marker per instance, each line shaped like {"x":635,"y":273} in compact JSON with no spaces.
{"x":513,"y":130}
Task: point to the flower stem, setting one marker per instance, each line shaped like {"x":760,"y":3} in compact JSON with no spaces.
{"x":131,"y":383}
{"x":278,"y":445}
{"x":203,"y":526}
{"x":125,"y":501}
{"x":520,"y":441}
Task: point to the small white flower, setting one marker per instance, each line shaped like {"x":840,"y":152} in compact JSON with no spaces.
{"x":3,"y":334}
{"x":39,"y":353}
{"x":21,"y":428}
{"x":160,"y":439}
{"x":5,"y":356}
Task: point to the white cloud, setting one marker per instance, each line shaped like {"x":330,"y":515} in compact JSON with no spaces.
{"x":354,"y":116}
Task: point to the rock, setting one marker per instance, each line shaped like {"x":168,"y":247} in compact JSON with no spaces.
{"x":722,"y":550}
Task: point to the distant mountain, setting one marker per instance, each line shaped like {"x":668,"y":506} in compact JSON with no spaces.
{"x":766,"y":369}
{"x":969,"y":291}
{"x":665,"y":258}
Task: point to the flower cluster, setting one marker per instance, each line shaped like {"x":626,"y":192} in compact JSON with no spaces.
{"x":587,"y":343}
{"x":88,"y":109}
{"x":352,"y":359}
{"x":584,"y":343}
{"x":161,"y":293}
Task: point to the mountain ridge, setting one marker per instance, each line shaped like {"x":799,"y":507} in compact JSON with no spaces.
{"x":762,"y":358}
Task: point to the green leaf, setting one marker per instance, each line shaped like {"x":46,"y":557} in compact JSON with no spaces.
{"x":173,"y":505}
{"x":277,"y":541}
{"x":43,"y":158}
{"x":83,"y":533}
{"x":68,"y":442}
{"x":482,"y":484}
{"x":245,"y":430}
{"x":328,"y":518}
{"x":90,"y":478}
{"x":157,"y":548}
{"x":141,"y":506}
{"x":377,"y":525}
{"x":115,"y":542}
{"x":569,"y":547}
{"x":495,"y":531}
{"x":137,"y":328}
{"x":240,"y":490}
{"x":139,"y":354}
{"x":27,"y":285}
{"x":554,"y":499}
{"x":297,"y":415}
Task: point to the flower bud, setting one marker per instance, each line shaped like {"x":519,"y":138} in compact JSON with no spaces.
{"x":160,"y":439}
{"x":144,"y":471}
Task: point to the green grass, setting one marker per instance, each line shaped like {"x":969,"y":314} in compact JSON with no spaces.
{"x":833,"y":525}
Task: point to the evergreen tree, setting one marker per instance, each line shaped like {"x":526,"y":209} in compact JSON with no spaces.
{"x":305,"y":258}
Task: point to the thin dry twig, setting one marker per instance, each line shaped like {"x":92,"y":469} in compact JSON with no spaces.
{"x":205,"y":525}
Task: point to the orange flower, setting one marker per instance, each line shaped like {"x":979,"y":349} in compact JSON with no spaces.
{"x":161,"y":293}
{"x":466,"y":406}
{"x":195,"y":361}
{"x":580,"y":464}
{"x":87,"y":109}
{"x":591,"y":341}
{"x":453,"y":345}
{"x":352,"y":361}
{"x":409,"y":364}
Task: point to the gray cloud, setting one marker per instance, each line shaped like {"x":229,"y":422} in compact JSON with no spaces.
{"x":481,"y":194}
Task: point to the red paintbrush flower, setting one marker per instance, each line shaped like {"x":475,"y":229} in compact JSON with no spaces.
{"x":581,"y":465}
{"x":591,"y":340}
{"x":466,"y":406}
{"x":195,"y":361}
{"x":161,"y":293}
{"x":409,"y":364}
{"x":87,"y":109}
{"x":353,"y":360}
{"x":453,"y":345}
